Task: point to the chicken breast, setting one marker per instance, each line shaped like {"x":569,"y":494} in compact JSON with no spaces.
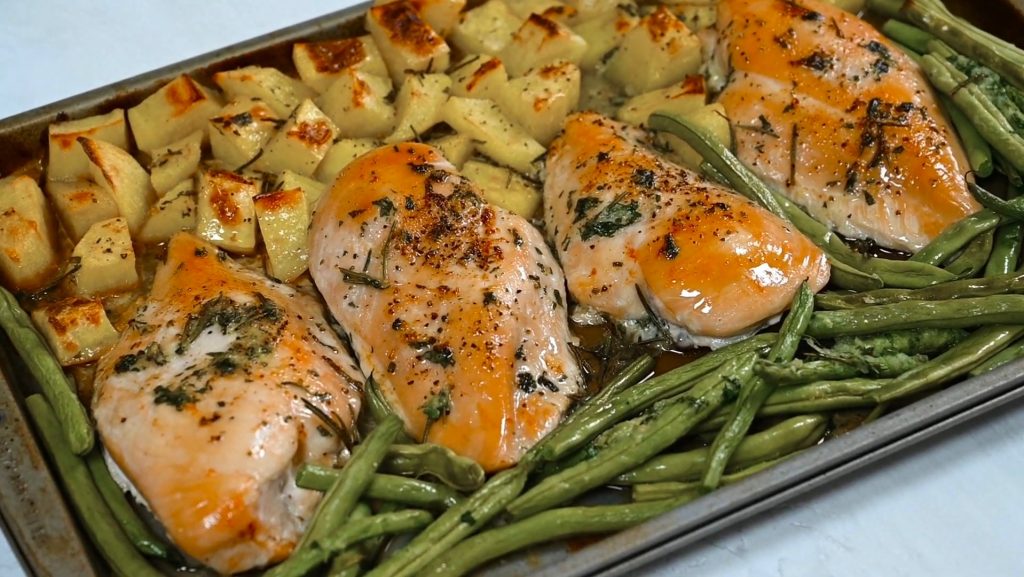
{"x":455,"y":307}
{"x":827,"y":110}
{"x":220,"y":388}
{"x":630,"y":225}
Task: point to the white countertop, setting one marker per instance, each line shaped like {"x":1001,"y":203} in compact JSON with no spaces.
{"x":952,"y":506}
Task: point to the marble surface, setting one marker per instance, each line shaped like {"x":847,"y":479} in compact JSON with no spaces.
{"x":952,"y":506}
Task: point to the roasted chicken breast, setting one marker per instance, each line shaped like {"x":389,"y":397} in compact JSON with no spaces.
{"x":630,"y":225}
{"x":222,"y":385}
{"x":455,"y":307}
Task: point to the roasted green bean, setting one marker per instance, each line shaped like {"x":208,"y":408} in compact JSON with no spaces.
{"x":458,"y":472}
{"x":411,"y":492}
{"x":962,"y":313}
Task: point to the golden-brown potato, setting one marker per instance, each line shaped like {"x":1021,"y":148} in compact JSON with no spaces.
{"x":28,"y":253}
{"x":341,"y":153}
{"x":77,"y":329}
{"x":175,"y":211}
{"x":503,"y":187}
{"x":175,"y":162}
{"x":550,"y":9}
{"x":479,"y":76}
{"x":280,"y":92}
{"x":486,"y":29}
{"x":320,"y":63}
{"x":418,"y":105}
{"x":122,"y":177}
{"x":106,"y":260}
{"x":681,"y":98}
{"x":442,"y":15}
{"x":357,"y":104}
{"x":540,"y":100}
{"x":711,"y":118}
{"x":312,"y":189}
{"x":541,"y":41}
{"x":300,"y":144}
{"x":405,"y":40}
{"x":284,"y":220}
{"x":456,"y":148}
{"x":658,"y":52}
{"x":225,"y":213}
{"x":79,"y":204}
{"x":66,"y":159}
{"x":178,"y":109}
{"x":495,"y":135}
{"x":240,"y":130}
{"x":604,"y":32}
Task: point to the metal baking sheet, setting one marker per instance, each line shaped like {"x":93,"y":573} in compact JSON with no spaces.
{"x":42,"y":529}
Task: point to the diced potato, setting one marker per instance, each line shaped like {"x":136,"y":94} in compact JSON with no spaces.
{"x":456,"y":148}
{"x":683,"y":98}
{"x":225,"y":212}
{"x":77,"y":329}
{"x":587,"y":9}
{"x":442,"y":15}
{"x":80,"y":204}
{"x":698,"y":14}
{"x":320,"y":63}
{"x":175,"y":162}
{"x":28,"y":253}
{"x":280,"y":92}
{"x":300,"y":144}
{"x":503,"y":187}
{"x":660,"y":51}
{"x":240,"y":129}
{"x":486,"y":29}
{"x":178,"y":109}
{"x":313,"y":189}
{"x":418,"y":105}
{"x":604,"y":33}
{"x":340,"y":155}
{"x":284,"y":220}
{"x":174,"y":212}
{"x":406,"y":41}
{"x":357,"y":104}
{"x":541,"y":41}
{"x":540,"y":100}
{"x":479,"y":76}
{"x":106,"y":259}
{"x":495,"y":135}
{"x":711,"y":119}
{"x":66,"y":160}
{"x":122,"y":177}
{"x":551,"y":9}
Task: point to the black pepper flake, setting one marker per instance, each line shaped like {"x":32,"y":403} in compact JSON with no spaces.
{"x":526,"y":382}
{"x":670,"y":249}
{"x":387,"y":208}
{"x":643,"y":178}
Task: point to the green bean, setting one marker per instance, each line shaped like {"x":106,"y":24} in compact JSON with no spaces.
{"x":910,"y":36}
{"x":347,"y":563}
{"x":1007,"y":355}
{"x":1006,"y":249}
{"x":957,"y":236}
{"x":663,"y":428}
{"x":1012,"y":283}
{"x":458,"y":472}
{"x":456,"y":523}
{"x":833,"y":369}
{"x":786,"y":437}
{"x":1012,"y":209}
{"x":962,"y":313}
{"x":93,"y":513}
{"x":979,"y":153}
{"x":1010,"y":171}
{"x":974,"y":258}
{"x":305,"y":559}
{"x":753,"y":395}
{"x":886,"y":8}
{"x":973,"y":351}
{"x":630,"y":375}
{"x":646,"y":492}
{"x":925,"y":341}
{"x":412,"y":492}
{"x":545,"y":527}
{"x":376,"y":403}
{"x":891,"y":272}
{"x":134,"y":528}
{"x":593,"y":417}
{"x":48,"y":374}
{"x":339,"y":501}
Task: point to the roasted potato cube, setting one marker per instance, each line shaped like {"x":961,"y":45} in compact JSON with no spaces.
{"x":240,"y":129}
{"x":442,"y":15}
{"x":479,"y":76}
{"x":540,"y":100}
{"x":660,"y":51}
{"x":486,"y":29}
{"x":319,"y":63}
{"x":106,"y":259}
{"x":313,"y":189}
{"x":711,"y":118}
{"x":405,"y":40}
{"x":495,"y":135}
{"x":175,"y":162}
{"x":700,"y":14}
{"x":174,"y":212}
{"x":300,"y":144}
{"x":122,"y":177}
{"x":225,"y":212}
{"x":357,"y":104}
{"x":541,"y":41}
{"x":284,"y":220}
{"x":604,"y":33}
{"x":66,"y":160}
{"x":77,"y":329}
{"x":503,"y":187}
{"x":80,"y":204}
{"x":418,"y":105}
{"x":456,"y":148}
{"x":28,"y":253}
{"x":587,"y":9}
{"x":682,"y":98}
{"x":178,"y":109}
{"x":280,"y":92}
{"x":550,"y":9}
{"x":340,"y":155}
